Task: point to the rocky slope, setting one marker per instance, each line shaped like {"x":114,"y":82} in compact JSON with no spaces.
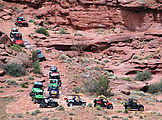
{"x":134,"y":15}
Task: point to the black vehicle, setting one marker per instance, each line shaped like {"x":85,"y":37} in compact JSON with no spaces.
{"x":133,"y":104}
{"x":21,"y":22}
{"x":54,"y":92}
{"x":103,"y":103}
{"x":75,"y":100}
{"x":48,"y":102}
{"x":40,"y":56}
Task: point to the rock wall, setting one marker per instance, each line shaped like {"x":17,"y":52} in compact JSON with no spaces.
{"x":133,"y":15}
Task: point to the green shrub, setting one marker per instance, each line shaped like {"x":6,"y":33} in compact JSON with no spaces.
{"x":98,"y":86}
{"x":1,"y":86}
{"x":34,"y":56}
{"x":16,"y":47}
{"x":98,"y":107}
{"x":115,"y":116}
{"x":126,"y":111}
{"x":90,"y":105}
{"x":19,"y":115}
{"x":20,"y":79}
{"x":14,"y":69}
{"x":24,"y":85}
{"x":35,"y":112}
{"x":78,"y":34}
{"x":105,"y":60}
{"x":30,"y":77}
{"x":1,"y":91}
{"x":97,"y":61}
{"x":128,"y":79}
{"x":141,"y":76}
{"x":65,"y":58}
{"x":60,"y":108}
{"x":36,"y":67}
{"x":46,"y":22}
{"x":77,"y":90}
{"x":102,"y":85}
{"x":62,"y":31}
{"x":31,"y":21}
{"x":135,"y":57}
{"x":42,"y":30}
{"x":20,"y":90}
{"x":155,"y":88}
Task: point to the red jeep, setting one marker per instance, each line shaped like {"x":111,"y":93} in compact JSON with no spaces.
{"x":103,"y":103}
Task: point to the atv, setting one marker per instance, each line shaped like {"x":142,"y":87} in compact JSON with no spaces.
{"x":38,"y":96}
{"x":75,"y":100}
{"x":133,"y":104}
{"x":36,"y":86}
{"x":54,"y":83}
{"x":40,"y":56}
{"x":54,"y":92}
{"x":13,"y":32}
{"x":21,"y":22}
{"x":54,"y":72}
{"x":103,"y":102}
{"x":17,"y":39}
{"x":47,"y":102}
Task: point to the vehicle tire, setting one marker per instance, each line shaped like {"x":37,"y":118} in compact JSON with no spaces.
{"x":83,"y":104}
{"x":128,"y":108}
{"x":35,"y":101}
{"x":70,"y":104}
{"x":141,"y":108}
{"x":32,"y":98}
{"x":16,"y":23}
{"x":27,"y":25}
{"x":110,"y":107}
{"x":53,"y":105}
{"x":48,"y":89}
{"x":41,"y":106}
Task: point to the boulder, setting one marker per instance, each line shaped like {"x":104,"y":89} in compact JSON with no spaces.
{"x":20,"y":58}
{"x":4,"y":39}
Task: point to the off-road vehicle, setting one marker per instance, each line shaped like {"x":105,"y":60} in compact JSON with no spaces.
{"x":40,"y":56}
{"x":53,"y":70}
{"x":133,"y":104}
{"x":17,"y":39}
{"x":74,"y":100}
{"x":38,"y":96}
{"x":54,"y":83}
{"x":103,"y":102}
{"x":20,"y":21}
{"x":54,"y":92}
{"x":13,"y":32}
{"x":36,"y":86}
{"x":48,"y":102}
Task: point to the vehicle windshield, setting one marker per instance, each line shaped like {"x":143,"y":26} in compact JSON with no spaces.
{"x":53,"y":81}
{"x":14,"y":30}
{"x":22,"y":19}
{"x":37,"y":86}
{"x":54,"y":70}
{"x":55,"y":77}
{"x":39,"y":93}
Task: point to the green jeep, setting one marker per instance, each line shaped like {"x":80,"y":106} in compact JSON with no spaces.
{"x":53,"y":83}
{"x":38,"y":96}
{"x":36,"y":86}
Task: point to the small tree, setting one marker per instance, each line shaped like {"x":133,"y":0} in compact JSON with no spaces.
{"x":36,"y":67}
{"x":141,"y":76}
{"x":34,"y":56}
{"x":14,"y":69}
{"x":42,"y":30}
